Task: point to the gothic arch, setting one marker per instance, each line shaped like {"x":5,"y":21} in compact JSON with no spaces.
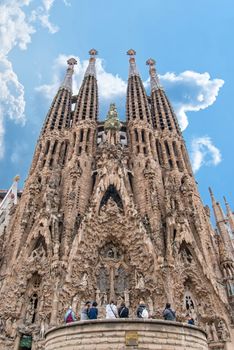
{"x":112,"y":193}
{"x":185,"y":252}
{"x":38,"y":246}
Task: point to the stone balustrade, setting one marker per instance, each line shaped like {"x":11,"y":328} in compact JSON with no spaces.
{"x":126,"y":334}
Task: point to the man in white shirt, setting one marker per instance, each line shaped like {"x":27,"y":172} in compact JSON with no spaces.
{"x":111,"y":310}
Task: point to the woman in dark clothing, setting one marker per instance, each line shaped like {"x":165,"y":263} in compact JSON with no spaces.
{"x":123,"y":311}
{"x":93,"y":311}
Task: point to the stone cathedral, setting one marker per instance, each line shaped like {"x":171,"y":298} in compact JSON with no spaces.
{"x":111,"y":210}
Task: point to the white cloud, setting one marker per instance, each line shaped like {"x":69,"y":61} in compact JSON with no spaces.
{"x":203,"y":152}
{"x":42,"y":14}
{"x":190,"y":91}
{"x":16,"y":29}
{"x":110,"y":87}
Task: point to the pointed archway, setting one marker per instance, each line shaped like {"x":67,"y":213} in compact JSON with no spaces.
{"x":112,"y":193}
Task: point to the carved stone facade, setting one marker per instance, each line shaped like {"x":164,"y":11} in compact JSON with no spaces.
{"x":111,"y":210}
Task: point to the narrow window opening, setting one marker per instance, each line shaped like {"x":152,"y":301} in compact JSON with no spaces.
{"x":167,"y":148}
{"x":136,"y":135}
{"x":47,"y":147}
{"x":81,"y":135}
{"x":143,"y":135}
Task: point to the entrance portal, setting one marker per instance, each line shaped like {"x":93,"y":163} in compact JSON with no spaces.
{"x":25,"y":342}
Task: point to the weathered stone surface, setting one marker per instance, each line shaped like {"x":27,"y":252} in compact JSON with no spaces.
{"x":119,"y":334}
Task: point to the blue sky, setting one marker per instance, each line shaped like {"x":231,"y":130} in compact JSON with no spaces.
{"x":190,"y":40}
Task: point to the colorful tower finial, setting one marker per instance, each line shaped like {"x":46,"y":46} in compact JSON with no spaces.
{"x":132,"y":68}
{"x":154,"y":80}
{"x":91,"y":70}
{"x":93,"y":52}
{"x":67,"y":83}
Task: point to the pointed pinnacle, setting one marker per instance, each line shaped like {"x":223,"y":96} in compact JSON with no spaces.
{"x":211,"y":194}
{"x":93,"y":52}
{"x":150,"y":62}
{"x":131,"y":52}
{"x":91,"y":70}
{"x":154,"y":80}
{"x":72,"y":61}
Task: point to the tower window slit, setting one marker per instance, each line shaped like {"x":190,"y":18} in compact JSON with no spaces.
{"x":167,"y":148}
{"x":54,"y":147}
{"x":136,"y":135}
{"x":47,"y":147}
{"x":175,"y":148}
{"x":81,"y":135}
{"x":159,"y":152}
{"x":170,"y":163}
{"x":88,"y":135}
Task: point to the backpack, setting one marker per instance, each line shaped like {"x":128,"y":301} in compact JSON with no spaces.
{"x":69,"y":318}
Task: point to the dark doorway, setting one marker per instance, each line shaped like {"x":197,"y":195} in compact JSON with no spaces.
{"x":25,"y":342}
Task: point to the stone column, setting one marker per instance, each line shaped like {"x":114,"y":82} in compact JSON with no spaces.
{"x":54,"y":311}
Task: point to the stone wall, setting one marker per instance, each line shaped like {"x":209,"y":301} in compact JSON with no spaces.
{"x":126,"y":334}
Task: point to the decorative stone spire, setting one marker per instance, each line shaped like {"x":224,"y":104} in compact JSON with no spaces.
{"x":59,"y":114}
{"x":91,"y":70}
{"x":137,"y":101}
{"x":212,"y":196}
{"x":218,"y":212}
{"x":163,"y":116}
{"x":7,"y":203}
{"x":132,"y":68}
{"x":87,"y":100}
{"x":221,"y":222}
{"x":154,"y":80}
{"x":230,"y":216}
{"x":67,"y":83}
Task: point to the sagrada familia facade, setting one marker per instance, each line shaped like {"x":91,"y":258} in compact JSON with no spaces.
{"x":111,"y":210}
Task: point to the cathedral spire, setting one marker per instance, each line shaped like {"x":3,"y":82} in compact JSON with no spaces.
{"x":67,"y":83}
{"x":137,"y":101}
{"x":230,"y":215}
{"x":154,"y":80}
{"x":59,"y":114}
{"x":221,"y":222}
{"x":132,"y":63}
{"x":163,"y":116}
{"x":91,"y":69}
{"x":87,"y":100}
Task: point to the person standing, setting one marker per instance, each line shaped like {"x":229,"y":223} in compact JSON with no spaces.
{"x":123,"y":311}
{"x":93,"y":311}
{"x":111,"y":310}
{"x":142,"y":311}
{"x":85,"y":311}
{"x":168,"y":313}
{"x":70,"y":316}
{"x":191,"y":321}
